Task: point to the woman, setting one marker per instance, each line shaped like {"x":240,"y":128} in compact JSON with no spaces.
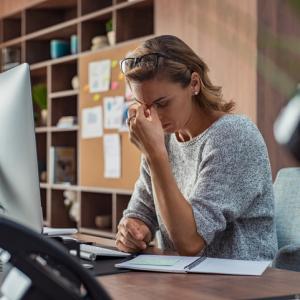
{"x":205,"y":181}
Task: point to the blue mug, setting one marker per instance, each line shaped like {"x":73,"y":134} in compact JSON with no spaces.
{"x":74,"y":43}
{"x":59,"y":48}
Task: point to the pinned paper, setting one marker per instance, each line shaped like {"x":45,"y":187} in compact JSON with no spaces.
{"x":124,"y":126}
{"x":114,"y":63}
{"x":112,"y":155}
{"x":86,"y":88}
{"x":121,"y":76}
{"x":96,"y":97}
{"x":113,"y":110}
{"x":114,"y":85}
{"x":99,"y":76}
{"x":92,"y":122}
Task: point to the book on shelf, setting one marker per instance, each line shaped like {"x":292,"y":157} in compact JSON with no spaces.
{"x":62,"y":165}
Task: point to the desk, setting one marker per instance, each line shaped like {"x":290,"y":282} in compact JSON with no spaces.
{"x":147,"y":285}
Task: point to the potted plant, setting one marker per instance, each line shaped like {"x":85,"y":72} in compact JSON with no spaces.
{"x":111,"y":35}
{"x":39,"y":95}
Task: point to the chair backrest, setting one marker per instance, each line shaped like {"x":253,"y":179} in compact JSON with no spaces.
{"x":287,"y":206}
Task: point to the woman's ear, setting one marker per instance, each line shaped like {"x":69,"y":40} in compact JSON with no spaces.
{"x":195,"y":83}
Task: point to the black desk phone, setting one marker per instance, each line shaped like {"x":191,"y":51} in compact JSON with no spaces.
{"x":40,"y":268}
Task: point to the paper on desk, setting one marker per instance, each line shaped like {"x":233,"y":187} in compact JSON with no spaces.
{"x":231,"y":266}
{"x":58,"y":231}
{"x":112,"y":155}
{"x":99,"y":76}
{"x":92,"y":126}
{"x":155,"y":260}
{"x":160,"y":263}
{"x":113,"y":110}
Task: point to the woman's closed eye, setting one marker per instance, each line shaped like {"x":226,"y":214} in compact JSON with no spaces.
{"x":161,"y":104}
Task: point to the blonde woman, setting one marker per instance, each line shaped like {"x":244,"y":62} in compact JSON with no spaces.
{"x":205,"y":181}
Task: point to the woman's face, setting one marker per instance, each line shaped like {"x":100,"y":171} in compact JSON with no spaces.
{"x":172,"y":103}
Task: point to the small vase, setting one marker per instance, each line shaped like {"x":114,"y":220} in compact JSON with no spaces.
{"x":44,"y":117}
{"x":111,"y":35}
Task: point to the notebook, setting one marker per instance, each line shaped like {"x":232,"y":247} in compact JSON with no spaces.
{"x":192,"y":264}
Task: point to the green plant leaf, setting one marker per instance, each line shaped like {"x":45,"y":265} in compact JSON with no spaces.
{"x":39,"y":95}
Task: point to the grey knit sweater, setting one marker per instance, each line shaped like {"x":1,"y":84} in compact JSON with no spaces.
{"x":224,"y":173}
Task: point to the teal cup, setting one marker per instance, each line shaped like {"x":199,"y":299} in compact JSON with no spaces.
{"x":59,"y":48}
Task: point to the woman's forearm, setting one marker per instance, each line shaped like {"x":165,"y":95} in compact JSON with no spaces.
{"x":175,"y":211}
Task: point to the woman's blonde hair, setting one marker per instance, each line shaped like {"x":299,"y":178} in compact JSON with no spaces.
{"x":182,"y":61}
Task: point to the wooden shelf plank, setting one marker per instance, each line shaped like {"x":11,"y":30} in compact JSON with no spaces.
{"x":48,"y":62}
{"x":57,"y":186}
{"x":104,"y":190}
{"x":41,"y":129}
{"x":57,"y":129}
{"x":99,"y":232}
{"x":62,"y":94}
{"x":44,"y":185}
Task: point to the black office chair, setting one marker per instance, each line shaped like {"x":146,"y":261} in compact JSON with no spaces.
{"x":54,"y":274}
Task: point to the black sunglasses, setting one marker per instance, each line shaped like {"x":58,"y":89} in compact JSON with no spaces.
{"x":149,"y":61}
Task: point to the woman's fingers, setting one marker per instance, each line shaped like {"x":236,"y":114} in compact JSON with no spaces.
{"x":132,"y":241}
{"x":124,"y":244}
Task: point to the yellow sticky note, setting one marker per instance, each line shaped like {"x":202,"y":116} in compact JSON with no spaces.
{"x":121,"y":76}
{"x":96,"y":97}
{"x":114,"y":63}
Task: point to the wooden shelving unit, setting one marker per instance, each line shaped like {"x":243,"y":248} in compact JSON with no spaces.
{"x":31,"y":31}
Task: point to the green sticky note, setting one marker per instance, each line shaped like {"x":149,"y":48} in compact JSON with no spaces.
{"x":155,"y":260}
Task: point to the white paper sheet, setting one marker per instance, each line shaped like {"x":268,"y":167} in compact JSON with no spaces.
{"x":161,"y":263}
{"x":113,"y":109}
{"x":92,"y":124}
{"x":112,"y":155}
{"x":99,"y":76}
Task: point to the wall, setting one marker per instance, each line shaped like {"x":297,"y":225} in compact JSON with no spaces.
{"x":223,"y":33}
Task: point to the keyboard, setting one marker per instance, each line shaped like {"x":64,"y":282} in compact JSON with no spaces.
{"x":100,"y":251}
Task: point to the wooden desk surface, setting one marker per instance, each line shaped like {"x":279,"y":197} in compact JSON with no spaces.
{"x":148,"y":285}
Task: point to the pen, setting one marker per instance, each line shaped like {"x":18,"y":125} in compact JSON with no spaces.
{"x":85,"y":255}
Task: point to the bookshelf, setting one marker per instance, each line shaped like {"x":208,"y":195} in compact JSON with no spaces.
{"x":29,"y":33}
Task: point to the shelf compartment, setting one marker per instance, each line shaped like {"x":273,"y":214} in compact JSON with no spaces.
{"x":62,"y":107}
{"x":12,"y":27}
{"x":135,"y":21}
{"x":49,"y":13}
{"x":93,"y":27}
{"x":59,"y":212}
{"x":89,"y":6}
{"x":44,"y":203}
{"x":92,"y":205}
{"x":65,"y":72}
{"x":41,"y":146}
{"x":121,"y":203}
{"x":38,"y":45}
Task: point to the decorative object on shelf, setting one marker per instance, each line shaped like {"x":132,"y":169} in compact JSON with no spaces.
{"x":42,"y":170}
{"x":99,"y":42}
{"x":111,"y":34}
{"x":62,"y":165}
{"x":75,"y":82}
{"x":103,"y":221}
{"x":66,"y":122}
{"x":74,"y":44}
{"x":39,"y":95}
{"x":72,"y":203}
{"x":11,"y":57}
{"x":59,"y":48}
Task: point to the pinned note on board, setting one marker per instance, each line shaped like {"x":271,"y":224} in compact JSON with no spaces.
{"x":114,"y":63}
{"x":121,"y":76}
{"x":112,"y":155}
{"x":99,"y":76}
{"x":114,"y":85}
{"x":113,"y":112}
{"x":92,"y":124}
{"x":96,"y":97}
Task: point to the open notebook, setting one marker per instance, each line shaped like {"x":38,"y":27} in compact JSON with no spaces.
{"x":192,"y":264}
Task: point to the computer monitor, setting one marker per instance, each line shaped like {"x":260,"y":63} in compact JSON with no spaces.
{"x":19,"y":180}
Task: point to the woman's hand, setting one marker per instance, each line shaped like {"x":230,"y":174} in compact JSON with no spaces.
{"x":133,"y":235}
{"x":145,"y":130}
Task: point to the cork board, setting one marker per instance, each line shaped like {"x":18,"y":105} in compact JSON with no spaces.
{"x":91,"y":156}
